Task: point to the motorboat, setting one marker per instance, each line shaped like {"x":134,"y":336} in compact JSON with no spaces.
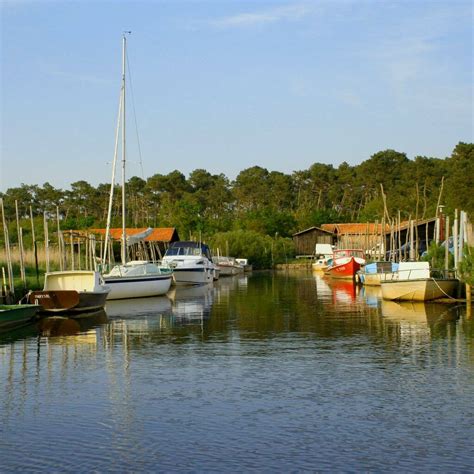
{"x":191,"y":263}
{"x":323,"y":257}
{"x":345,"y":263}
{"x":433,"y":287}
{"x":244,"y":263}
{"x":72,"y":291}
{"x":372,"y":274}
{"x":228,"y":265}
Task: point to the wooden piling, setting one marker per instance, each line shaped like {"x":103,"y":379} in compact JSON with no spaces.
{"x":446,"y":248}
{"x":8,"y":254}
{"x":20,"y":249}
{"x":46,"y":241}
{"x":60,"y":250}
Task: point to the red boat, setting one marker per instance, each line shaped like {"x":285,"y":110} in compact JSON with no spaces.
{"x":346,"y":263}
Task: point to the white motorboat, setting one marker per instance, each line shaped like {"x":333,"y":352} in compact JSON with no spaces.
{"x":228,"y":265}
{"x":323,"y":254}
{"x":244,"y":263}
{"x":191,"y":263}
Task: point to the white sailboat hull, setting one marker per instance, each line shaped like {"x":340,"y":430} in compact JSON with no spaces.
{"x":138,"y":287}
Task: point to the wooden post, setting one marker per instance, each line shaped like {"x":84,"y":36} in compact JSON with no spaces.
{"x":455,"y":238}
{"x":20,"y":248}
{"x":79,"y":252}
{"x":71,"y":243}
{"x":46,"y":241}
{"x":60,"y":250}
{"x":462,"y":227}
{"x":399,"y":238}
{"x":446,"y":248}
{"x":22,"y":252}
{"x":4,"y":286}
{"x":32,"y":228}
{"x":412,"y":241}
{"x":427,"y":236}
{"x":8,"y":254}
{"x":36,"y":263}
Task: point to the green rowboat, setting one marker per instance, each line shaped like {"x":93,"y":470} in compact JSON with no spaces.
{"x":16,"y":315}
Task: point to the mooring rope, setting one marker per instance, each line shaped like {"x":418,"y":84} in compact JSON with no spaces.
{"x":441,"y":289}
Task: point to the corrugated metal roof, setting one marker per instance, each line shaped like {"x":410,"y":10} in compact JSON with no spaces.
{"x":159,"y":234}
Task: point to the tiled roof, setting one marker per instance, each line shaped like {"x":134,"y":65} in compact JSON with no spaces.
{"x":159,"y":234}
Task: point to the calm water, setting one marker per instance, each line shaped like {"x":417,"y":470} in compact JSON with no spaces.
{"x":270,"y":372}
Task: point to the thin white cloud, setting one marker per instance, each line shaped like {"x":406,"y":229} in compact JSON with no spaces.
{"x":84,"y":78}
{"x":277,"y":14}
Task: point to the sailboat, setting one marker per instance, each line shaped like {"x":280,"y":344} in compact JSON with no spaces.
{"x":139,"y":278}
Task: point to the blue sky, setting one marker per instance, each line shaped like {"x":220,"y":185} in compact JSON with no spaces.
{"x":225,"y":85}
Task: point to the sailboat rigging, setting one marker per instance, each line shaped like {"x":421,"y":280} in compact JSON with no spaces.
{"x":139,"y":278}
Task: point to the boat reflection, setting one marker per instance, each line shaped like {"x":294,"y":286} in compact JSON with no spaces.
{"x":131,"y":308}
{"x":416,"y":318}
{"x":372,"y":295}
{"x":418,"y":312}
{"x":191,"y":303}
{"x":56,"y":326}
{"x":343,"y":291}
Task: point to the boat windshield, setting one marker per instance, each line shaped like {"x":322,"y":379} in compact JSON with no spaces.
{"x":348,"y":253}
{"x":183,"y":251}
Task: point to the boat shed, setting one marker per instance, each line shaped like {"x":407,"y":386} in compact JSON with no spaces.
{"x":306,"y":240}
{"x":365,"y":236}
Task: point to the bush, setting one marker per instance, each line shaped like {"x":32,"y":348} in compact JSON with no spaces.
{"x":466,"y":266}
{"x":436,"y":256}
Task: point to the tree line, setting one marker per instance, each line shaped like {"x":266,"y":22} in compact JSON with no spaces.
{"x":262,"y":201}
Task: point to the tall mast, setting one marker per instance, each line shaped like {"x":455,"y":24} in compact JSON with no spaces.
{"x":124,"y":232}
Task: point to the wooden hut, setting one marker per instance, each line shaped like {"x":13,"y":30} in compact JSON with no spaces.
{"x":366,"y":236}
{"x":306,"y":240}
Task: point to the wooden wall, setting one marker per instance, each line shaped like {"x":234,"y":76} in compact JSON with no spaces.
{"x":306,"y":241}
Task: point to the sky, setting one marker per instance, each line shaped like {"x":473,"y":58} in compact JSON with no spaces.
{"x":225,"y":85}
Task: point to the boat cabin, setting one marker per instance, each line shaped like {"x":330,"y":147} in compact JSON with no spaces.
{"x":188,"y":248}
{"x":349,"y":253}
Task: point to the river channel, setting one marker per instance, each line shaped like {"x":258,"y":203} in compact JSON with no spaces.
{"x":263,"y":372}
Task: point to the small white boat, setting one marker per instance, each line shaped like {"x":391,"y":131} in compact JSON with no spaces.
{"x":323,"y":255}
{"x":244,"y":263}
{"x":138,"y":279}
{"x":228,"y":265}
{"x":191,"y":263}
{"x":72,"y":291}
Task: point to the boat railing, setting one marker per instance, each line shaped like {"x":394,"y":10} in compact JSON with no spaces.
{"x":442,"y":274}
{"x":414,"y":274}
